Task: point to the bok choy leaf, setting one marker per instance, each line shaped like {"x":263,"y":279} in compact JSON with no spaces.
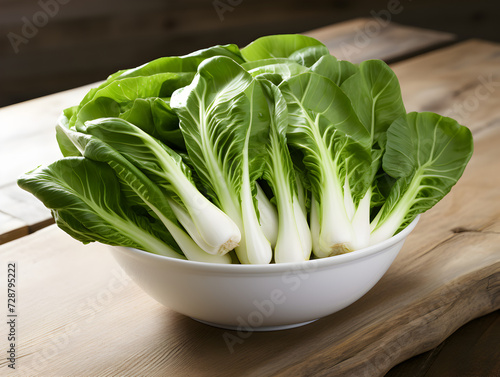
{"x":165,"y":167}
{"x":139,"y":190}
{"x":294,"y":237}
{"x":336,"y":149}
{"x":86,"y":202}
{"x":426,"y":154}
{"x":224,"y":118}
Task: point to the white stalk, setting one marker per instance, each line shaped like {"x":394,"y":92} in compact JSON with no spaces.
{"x":303,"y":228}
{"x":390,"y":225}
{"x":268,"y":217}
{"x":294,"y":237}
{"x":187,"y":222}
{"x":336,"y":231}
{"x":314,"y":221}
{"x":190,"y":249}
{"x":188,"y":246}
{"x":301,"y":193}
{"x":361,"y":223}
{"x":215,"y":228}
{"x":257,"y":249}
{"x":348,"y":203}
{"x":289,"y":247}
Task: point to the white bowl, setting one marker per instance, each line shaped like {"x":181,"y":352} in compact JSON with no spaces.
{"x":260,"y":297}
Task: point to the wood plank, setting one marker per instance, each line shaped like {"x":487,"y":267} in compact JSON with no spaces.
{"x":423,"y":298}
{"x":471,"y":351}
{"x":441,"y":280}
{"x":29,"y":140}
{"x":11,"y":228}
{"x":373,"y":38}
{"x":28,"y":132}
{"x":24,"y":212}
{"x":461,"y":81}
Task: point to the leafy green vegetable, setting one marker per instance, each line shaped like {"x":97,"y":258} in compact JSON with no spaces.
{"x":139,"y":190}
{"x":294,"y":238}
{"x":279,"y":46}
{"x":376,"y":97}
{"x":153,"y":82}
{"x":165,"y":167}
{"x":170,"y":64}
{"x":85,"y":199}
{"x":224,"y":118}
{"x":324,"y":126}
{"x":427,"y":154}
{"x":224,"y":148}
{"x":336,"y":70}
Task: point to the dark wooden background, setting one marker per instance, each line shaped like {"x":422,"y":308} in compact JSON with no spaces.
{"x":82,"y":41}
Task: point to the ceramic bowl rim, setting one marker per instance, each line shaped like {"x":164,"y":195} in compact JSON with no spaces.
{"x":275,"y":268}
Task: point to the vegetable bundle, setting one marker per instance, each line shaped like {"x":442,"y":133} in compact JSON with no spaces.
{"x":248,"y":156}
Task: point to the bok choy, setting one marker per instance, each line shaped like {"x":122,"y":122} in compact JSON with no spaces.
{"x":269,"y":153}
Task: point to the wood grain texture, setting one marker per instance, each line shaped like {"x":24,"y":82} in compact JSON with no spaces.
{"x":461,"y":81}
{"x":92,"y":320}
{"x":28,"y":132}
{"x":373,"y":38}
{"x":471,"y":351}
{"x":11,"y":228}
{"x":26,"y":141}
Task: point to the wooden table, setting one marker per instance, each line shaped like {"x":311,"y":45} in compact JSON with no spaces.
{"x":79,"y":315}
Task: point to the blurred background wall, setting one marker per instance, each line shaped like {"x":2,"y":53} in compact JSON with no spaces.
{"x":52,"y":45}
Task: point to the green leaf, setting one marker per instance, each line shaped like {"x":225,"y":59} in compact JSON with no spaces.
{"x":186,"y":63}
{"x":158,"y":78}
{"x":308,"y":56}
{"x":427,"y":154}
{"x":169,"y":64}
{"x":114,"y":97}
{"x":376,"y":96}
{"x":336,"y":70}
{"x":155,"y":117}
{"x":65,"y":145}
{"x":86,"y":201}
{"x":264,"y":62}
{"x":277,"y":46}
{"x":284,"y":70}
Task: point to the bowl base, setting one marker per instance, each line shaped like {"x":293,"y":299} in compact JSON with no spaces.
{"x":251,"y":329}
